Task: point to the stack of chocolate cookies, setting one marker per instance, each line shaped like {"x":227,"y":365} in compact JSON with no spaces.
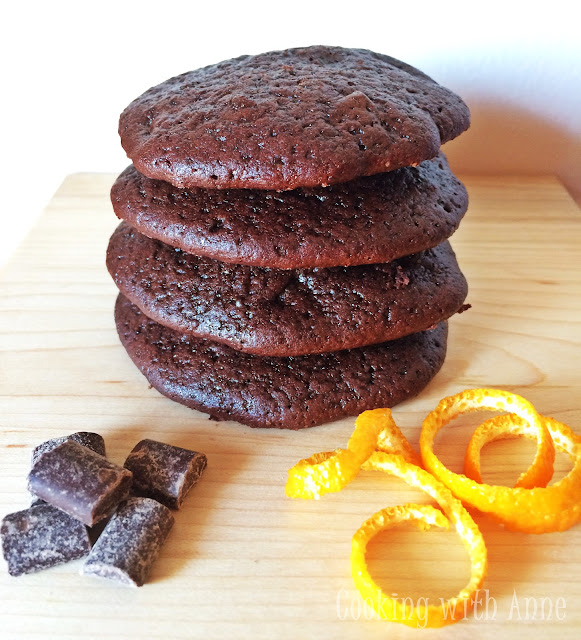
{"x":283,"y":257}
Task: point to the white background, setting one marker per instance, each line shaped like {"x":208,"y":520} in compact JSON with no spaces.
{"x":69,"y":69}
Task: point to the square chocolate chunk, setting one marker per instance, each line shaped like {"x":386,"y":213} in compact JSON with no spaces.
{"x":131,"y":542}
{"x":79,"y":481}
{"x":164,"y":472}
{"x":41,"y":537}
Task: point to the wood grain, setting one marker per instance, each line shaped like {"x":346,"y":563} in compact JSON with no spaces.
{"x":242,"y":560}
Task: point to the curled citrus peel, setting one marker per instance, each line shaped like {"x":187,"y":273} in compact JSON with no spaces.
{"x":531,"y":506}
{"x":541,"y":470}
{"x":330,"y":471}
{"x":423,"y":516}
{"x":541,"y":509}
{"x":392,"y":440}
{"x":378,"y":444}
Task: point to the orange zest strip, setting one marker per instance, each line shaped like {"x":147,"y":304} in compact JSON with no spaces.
{"x":531,"y":506}
{"x":392,"y":440}
{"x":538,"y":474}
{"x":331,"y":471}
{"x":391,"y":609}
{"x":538,"y":510}
{"x":397,"y":610}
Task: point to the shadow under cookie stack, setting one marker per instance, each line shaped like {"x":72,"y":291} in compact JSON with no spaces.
{"x":283,"y":257}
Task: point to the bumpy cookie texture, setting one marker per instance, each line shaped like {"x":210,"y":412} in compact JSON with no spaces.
{"x":368,"y":220}
{"x":79,"y":481}
{"x":164,"y":472}
{"x":288,"y":393}
{"x":131,"y":542}
{"x":88,"y":439}
{"x":41,"y":537}
{"x":301,"y":117}
{"x":286,"y":312}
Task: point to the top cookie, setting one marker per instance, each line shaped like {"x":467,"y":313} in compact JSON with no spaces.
{"x":286,"y":119}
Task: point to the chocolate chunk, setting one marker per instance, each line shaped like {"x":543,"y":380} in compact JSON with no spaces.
{"x":41,"y":537}
{"x":131,"y":542}
{"x":90,"y":440}
{"x":79,"y":481}
{"x":164,"y":472}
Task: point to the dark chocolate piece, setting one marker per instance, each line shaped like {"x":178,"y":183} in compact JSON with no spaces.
{"x":88,"y":439}
{"x":131,"y":542}
{"x":41,"y":537}
{"x":164,"y":472}
{"x":79,"y":481}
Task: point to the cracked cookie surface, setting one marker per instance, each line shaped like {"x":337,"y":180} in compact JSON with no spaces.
{"x":285,"y":393}
{"x":284,"y":119}
{"x":374,"y":219}
{"x":286,"y":312}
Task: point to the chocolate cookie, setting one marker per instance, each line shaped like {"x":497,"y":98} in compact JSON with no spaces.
{"x":288,"y":393}
{"x":286,"y":312}
{"x":280,"y":120}
{"x":373,"y":219}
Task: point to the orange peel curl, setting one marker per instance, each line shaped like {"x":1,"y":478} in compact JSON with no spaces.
{"x":538,"y":474}
{"x":330,"y":471}
{"x":378,"y":444}
{"x":541,"y":509}
{"x":531,"y":506}
{"x":424,"y":516}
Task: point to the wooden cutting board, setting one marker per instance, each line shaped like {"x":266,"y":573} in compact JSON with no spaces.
{"x":243,"y":560}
